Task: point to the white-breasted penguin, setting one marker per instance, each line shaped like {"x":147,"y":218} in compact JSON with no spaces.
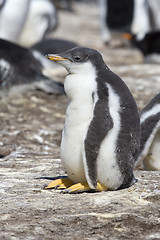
{"x":20,"y":71}
{"x":148,"y":43}
{"x":101,"y":136}
{"x":41,"y":21}
{"x":27,"y":22}
{"x":112,"y":18}
{"x":154,"y":7}
{"x":13,"y":14}
{"x":150,"y":135}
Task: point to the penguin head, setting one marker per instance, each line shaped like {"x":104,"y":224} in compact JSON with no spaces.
{"x":78,"y":58}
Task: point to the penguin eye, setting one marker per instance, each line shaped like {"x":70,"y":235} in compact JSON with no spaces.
{"x":77,"y":58}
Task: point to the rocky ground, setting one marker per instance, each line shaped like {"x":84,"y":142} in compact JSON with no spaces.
{"x":30,"y":135}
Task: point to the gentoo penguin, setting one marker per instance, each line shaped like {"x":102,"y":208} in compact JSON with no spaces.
{"x":150,"y":135}
{"x":41,"y":21}
{"x":101,"y":136}
{"x":20,"y":71}
{"x":112,"y":18}
{"x":148,"y":43}
{"x":154,"y":7}
{"x":13,"y":14}
{"x":41,"y":48}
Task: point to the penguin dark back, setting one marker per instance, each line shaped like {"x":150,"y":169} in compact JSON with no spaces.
{"x":20,"y":61}
{"x":18,"y":67}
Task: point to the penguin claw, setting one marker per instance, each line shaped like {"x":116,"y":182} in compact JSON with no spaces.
{"x":77,"y":188}
{"x":67,"y":186}
{"x":84,"y":187}
{"x":64,"y":191}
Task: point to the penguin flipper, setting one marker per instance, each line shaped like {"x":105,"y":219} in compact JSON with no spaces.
{"x":97,"y":131}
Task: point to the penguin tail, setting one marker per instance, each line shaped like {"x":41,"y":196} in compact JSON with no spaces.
{"x":131,"y":181}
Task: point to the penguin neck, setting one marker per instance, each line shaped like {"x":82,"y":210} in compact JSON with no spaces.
{"x":81,"y":83}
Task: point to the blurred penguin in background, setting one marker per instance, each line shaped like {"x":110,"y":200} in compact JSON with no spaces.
{"x":148,"y":42}
{"x":26,"y":21}
{"x":20,"y":72}
{"x":134,"y":16}
{"x":154,"y":6}
{"x":41,"y":21}
{"x":13,"y":14}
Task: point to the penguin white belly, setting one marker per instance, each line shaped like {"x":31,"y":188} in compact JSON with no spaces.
{"x":76,"y":125}
{"x":78,"y":116}
{"x":140,"y":22}
{"x":108,"y":170}
{"x":153,"y":58}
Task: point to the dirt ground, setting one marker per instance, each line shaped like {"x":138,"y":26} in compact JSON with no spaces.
{"x":30,"y":135}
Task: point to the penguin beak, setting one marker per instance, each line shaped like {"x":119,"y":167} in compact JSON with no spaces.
{"x":55,"y":58}
{"x":127,"y":36}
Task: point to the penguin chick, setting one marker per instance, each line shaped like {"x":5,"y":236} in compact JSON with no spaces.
{"x":20,"y":71}
{"x":148,"y":44}
{"x":101,"y":136}
{"x":150,"y":135}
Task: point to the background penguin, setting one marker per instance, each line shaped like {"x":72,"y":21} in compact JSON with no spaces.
{"x":101,"y":138}
{"x":13,"y":15}
{"x":148,"y":44}
{"x":41,"y":21}
{"x":123,"y":16}
{"x":27,"y":22}
{"x":150,"y":135}
{"x":154,"y":7}
{"x":20,"y":71}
